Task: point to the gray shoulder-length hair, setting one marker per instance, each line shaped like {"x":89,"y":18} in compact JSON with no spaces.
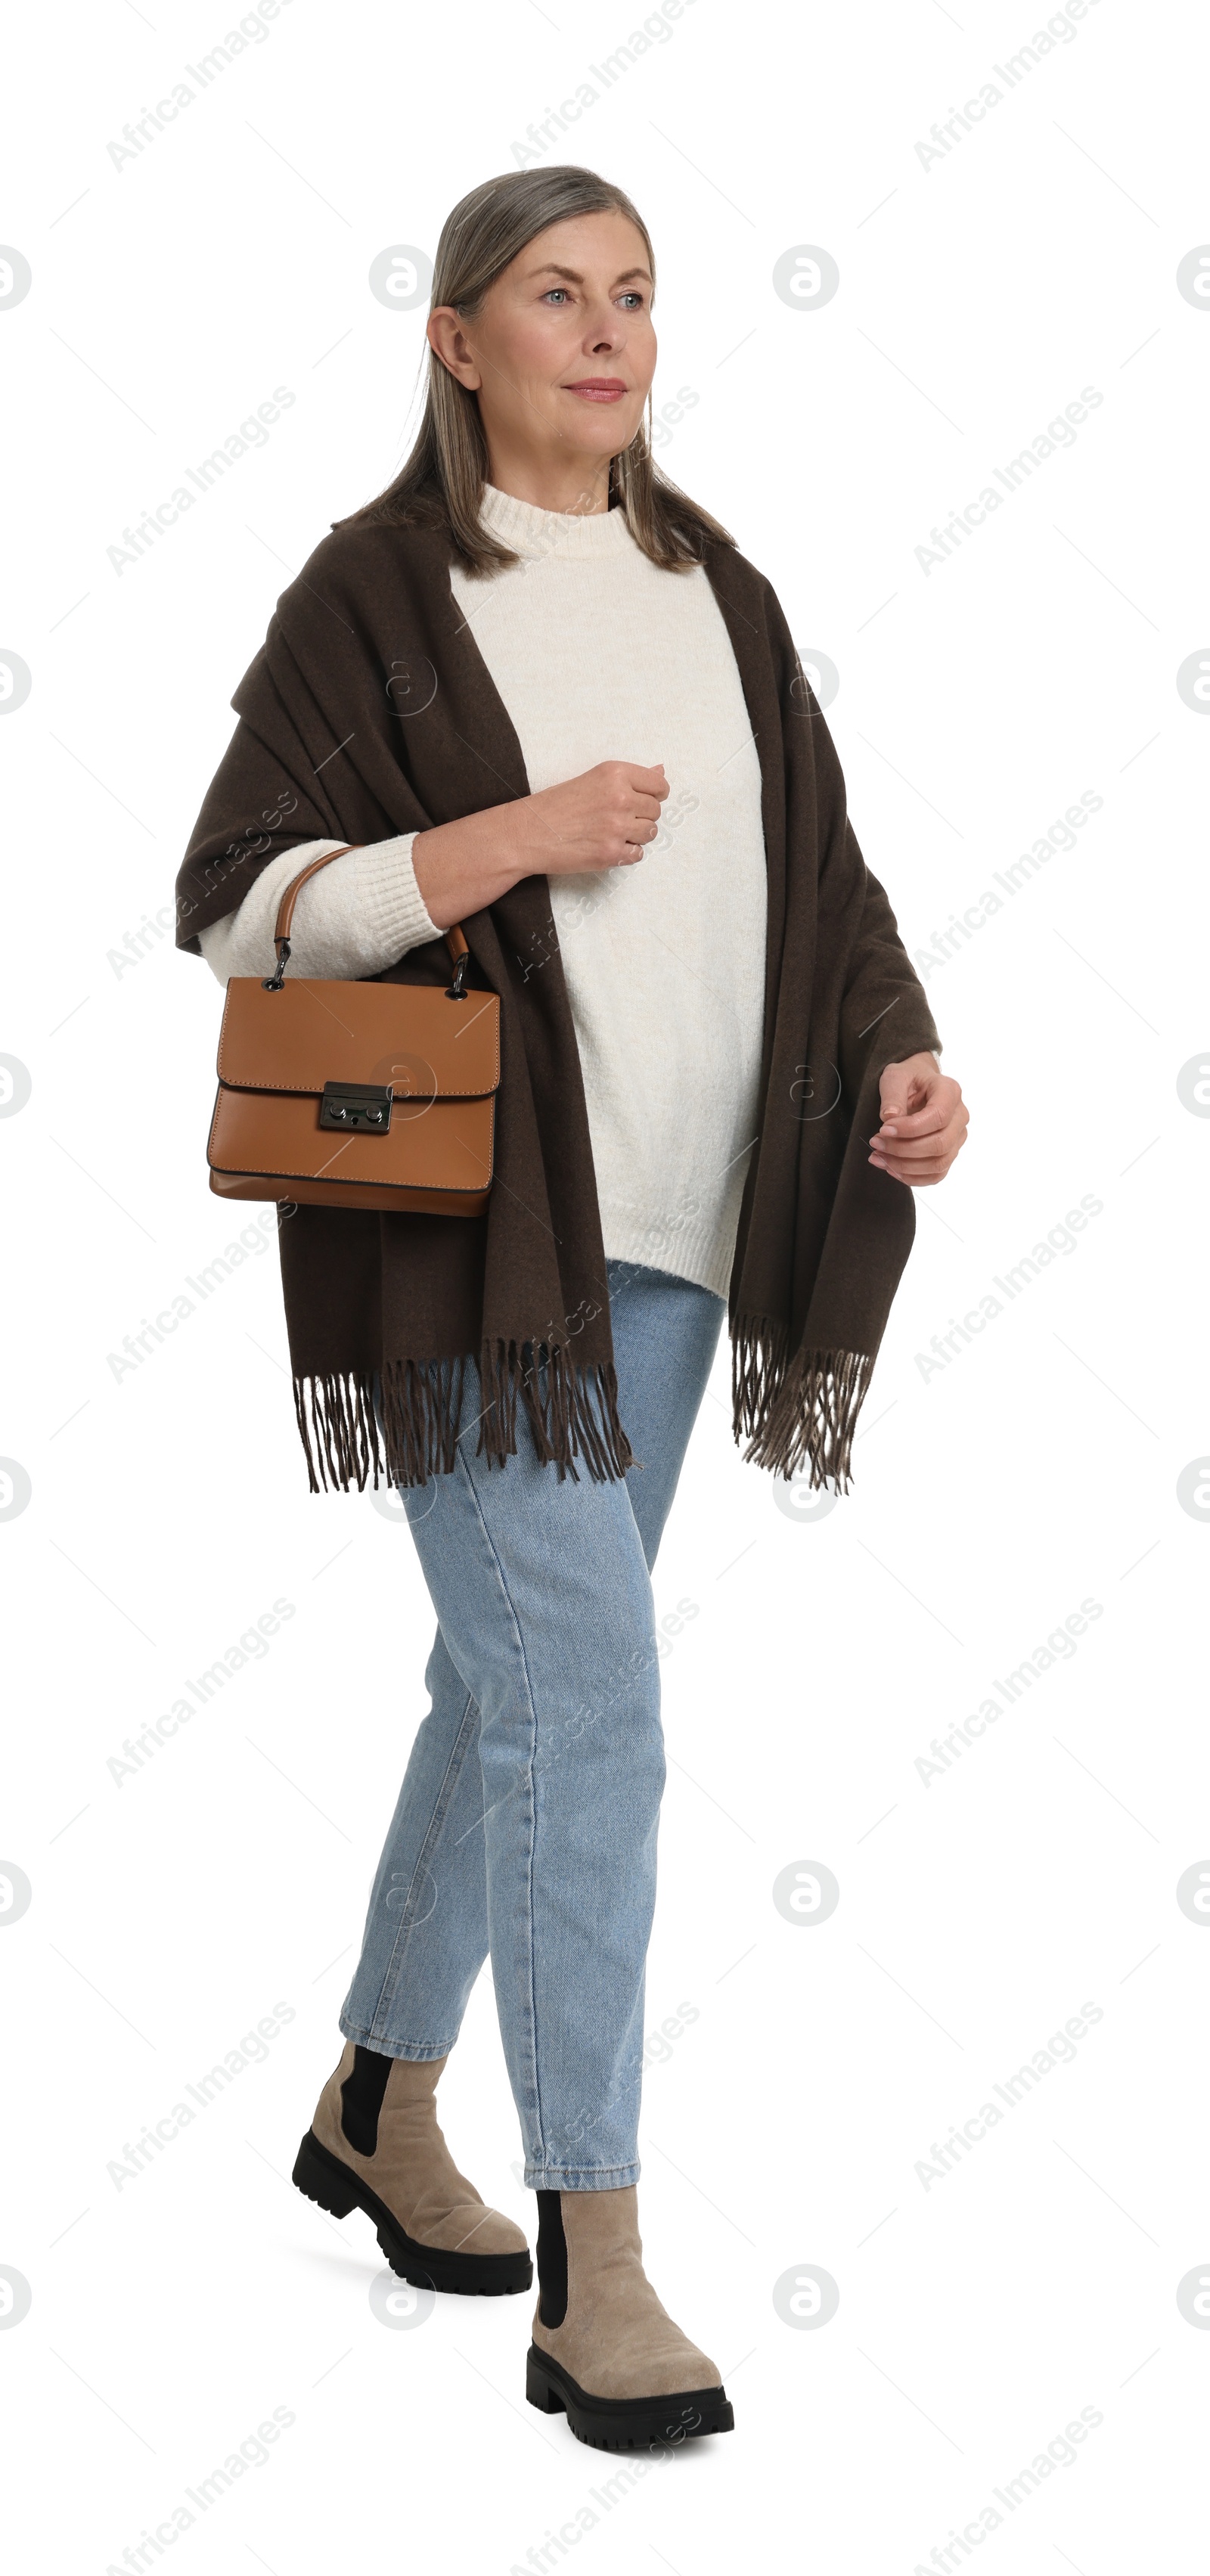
{"x":443,"y":479}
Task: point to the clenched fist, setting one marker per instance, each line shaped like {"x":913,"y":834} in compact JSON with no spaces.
{"x":603,"y":819}
{"x":924,"y":1122}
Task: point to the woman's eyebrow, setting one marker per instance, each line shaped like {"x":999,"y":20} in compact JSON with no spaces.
{"x":551,"y":268}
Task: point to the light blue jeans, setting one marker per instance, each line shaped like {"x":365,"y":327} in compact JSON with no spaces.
{"x":526,"y":1824}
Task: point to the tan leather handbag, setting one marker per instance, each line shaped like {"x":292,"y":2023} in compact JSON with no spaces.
{"x":334,"y":1094}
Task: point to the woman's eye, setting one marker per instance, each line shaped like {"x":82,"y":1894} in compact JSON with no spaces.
{"x":633,"y":299}
{"x":552,"y":292}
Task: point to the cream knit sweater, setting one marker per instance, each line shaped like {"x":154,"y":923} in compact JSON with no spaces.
{"x":597,"y":655}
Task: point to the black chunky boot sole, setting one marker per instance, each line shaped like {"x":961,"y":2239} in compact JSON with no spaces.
{"x":323,"y":2178}
{"x":624,"y":2423}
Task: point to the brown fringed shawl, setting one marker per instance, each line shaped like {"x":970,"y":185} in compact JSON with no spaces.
{"x":370,"y":712}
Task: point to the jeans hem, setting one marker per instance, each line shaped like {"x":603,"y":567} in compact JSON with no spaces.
{"x":581,"y":2177}
{"x":418,"y":2052}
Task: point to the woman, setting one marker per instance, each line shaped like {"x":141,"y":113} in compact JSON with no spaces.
{"x":543,"y":695}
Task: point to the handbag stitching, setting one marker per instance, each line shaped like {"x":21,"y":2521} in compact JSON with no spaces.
{"x":300,"y":1090}
{"x":284,"y":1172}
{"x":329,"y":1181}
{"x":471,"y":1092}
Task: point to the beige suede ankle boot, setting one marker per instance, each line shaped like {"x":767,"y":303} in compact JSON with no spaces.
{"x":374,"y":2144}
{"x":605,"y":2351}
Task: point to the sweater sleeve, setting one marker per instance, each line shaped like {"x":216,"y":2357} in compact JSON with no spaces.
{"x":354,"y":918}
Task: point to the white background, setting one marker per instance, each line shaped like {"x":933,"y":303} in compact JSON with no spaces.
{"x":979,"y":1909}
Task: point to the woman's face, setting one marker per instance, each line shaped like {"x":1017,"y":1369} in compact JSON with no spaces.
{"x":562,"y":352}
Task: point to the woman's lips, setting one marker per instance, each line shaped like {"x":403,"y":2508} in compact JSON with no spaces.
{"x":602,"y":389}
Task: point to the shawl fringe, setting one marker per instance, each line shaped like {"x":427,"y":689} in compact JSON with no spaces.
{"x":572,"y":1412}
{"x":342,"y":1433}
{"x":796,"y":1413}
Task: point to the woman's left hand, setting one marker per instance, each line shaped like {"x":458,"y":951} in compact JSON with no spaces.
{"x":924,"y":1122}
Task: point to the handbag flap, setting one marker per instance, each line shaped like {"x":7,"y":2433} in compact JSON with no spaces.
{"x":312,"y":1032}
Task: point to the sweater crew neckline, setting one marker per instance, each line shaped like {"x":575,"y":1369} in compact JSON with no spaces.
{"x":533,"y":533}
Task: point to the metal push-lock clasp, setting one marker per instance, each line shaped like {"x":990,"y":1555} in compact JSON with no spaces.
{"x":365,"y":1106}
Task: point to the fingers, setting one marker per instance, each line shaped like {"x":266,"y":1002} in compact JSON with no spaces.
{"x":917,"y":1149}
{"x":917,"y":1122}
{"x":945,"y":1107}
{"x":943,"y":1139}
{"x":896,"y":1084}
{"x":923,"y":1157}
{"x":612,"y":812}
{"x":918,"y":1078}
{"x":642,"y":825}
{"x":634,"y":780}
{"x":922,"y":1164}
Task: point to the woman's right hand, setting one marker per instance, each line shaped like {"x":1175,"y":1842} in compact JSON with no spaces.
{"x":603,"y":819}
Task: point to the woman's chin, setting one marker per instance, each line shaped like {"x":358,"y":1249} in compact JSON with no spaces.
{"x":600,"y":429}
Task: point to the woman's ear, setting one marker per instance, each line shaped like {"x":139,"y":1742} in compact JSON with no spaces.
{"x":447,"y":337}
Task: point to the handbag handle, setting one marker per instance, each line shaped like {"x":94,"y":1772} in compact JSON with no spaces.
{"x":455,"y":936}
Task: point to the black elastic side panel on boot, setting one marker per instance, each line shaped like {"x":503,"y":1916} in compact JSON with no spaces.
{"x":361,"y":2099}
{"x":552,"y":2260}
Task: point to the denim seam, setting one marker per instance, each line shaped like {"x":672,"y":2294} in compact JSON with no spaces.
{"x":571,"y":2177}
{"x":560,"y":2167}
{"x":407,"y":1925}
{"x":533,"y":1815}
{"x":419,"y":2052}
